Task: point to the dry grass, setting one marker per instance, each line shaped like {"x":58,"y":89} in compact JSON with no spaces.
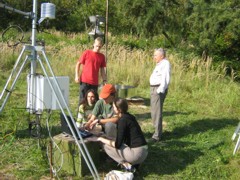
{"x":200,"y":113}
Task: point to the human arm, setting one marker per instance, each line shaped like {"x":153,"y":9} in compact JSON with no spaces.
{"x":80,"y":116}
{"x":78,"y":71}
{"x":103,"y":72}
{"x":90,"y":121}
{"x":165,"y":70}
{"x":102,"y":121}
{"x":102,"y":140}
{"x":102,"y":113}
{"x":94,"y":114}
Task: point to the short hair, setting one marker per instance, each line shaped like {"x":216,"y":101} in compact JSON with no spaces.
{"x":162,"y":51}
{"x":121,"y":104}
{"x":99,"y":39}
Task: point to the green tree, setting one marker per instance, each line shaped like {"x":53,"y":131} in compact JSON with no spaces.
{"x":149,"y":18}
{"x":213,"y":27}
{"x":8,"y":17}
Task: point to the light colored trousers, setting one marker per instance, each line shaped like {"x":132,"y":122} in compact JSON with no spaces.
{"x":126,"y":154}
{"x":157,"y":101}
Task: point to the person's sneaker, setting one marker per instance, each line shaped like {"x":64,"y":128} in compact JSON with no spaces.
{"x":152,"y":140}
{"x":131,"y":168}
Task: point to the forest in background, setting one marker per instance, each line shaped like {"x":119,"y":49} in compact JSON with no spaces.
{"x":203,"y":27}
{"x":201,"y":110}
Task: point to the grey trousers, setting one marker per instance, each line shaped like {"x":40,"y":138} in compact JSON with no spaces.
{"x":157,"y":101}
{"x":126,"y":154}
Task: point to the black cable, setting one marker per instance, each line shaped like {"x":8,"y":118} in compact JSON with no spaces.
{"x":11,"y":38}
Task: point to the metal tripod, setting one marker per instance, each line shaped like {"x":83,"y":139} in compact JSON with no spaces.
{"x":57,"y":91}
{"x":34,"y":57}
{"x":235,"y":134}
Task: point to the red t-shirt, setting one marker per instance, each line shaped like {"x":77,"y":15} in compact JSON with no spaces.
{"x":92,"y":62}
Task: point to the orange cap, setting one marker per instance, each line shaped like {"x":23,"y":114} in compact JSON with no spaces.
{"x":107,"y":90}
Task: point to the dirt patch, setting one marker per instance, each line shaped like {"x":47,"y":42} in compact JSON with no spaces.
{"x":7,"y":177}
{"x":5,"y":174}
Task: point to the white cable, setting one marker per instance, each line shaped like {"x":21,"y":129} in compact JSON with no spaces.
{"x":55,"y":144}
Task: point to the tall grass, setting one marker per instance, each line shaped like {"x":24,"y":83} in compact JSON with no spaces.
{"x":194,"y":78}
{"x":200,"y":112}
{"x":199,"y":80}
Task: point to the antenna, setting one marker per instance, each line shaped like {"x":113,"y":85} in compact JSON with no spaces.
{"x":48,"y":11}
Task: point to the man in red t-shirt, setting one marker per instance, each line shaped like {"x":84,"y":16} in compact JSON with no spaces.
{"x":88,"y":67}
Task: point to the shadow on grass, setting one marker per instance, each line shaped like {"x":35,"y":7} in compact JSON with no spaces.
{"x":43,"y":133}
{"x":167,"y":158}
{"x":200,"y":126}
{"x":172,"y":155}
{"x":147,"y":115}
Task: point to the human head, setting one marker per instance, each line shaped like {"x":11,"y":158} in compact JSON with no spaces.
{"x":91,"y":97}
{"x":108,"y":93}
{"x":98,"y":42}
{"x":120,"y":105}
{"x":159,"y":54}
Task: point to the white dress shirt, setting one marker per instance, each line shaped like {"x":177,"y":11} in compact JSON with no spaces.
{"x":161,"y":75}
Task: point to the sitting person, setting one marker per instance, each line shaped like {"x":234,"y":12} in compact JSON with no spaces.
{"x":130,"y":148}
{"x":86,"y":107}
{"x":103,"y":112}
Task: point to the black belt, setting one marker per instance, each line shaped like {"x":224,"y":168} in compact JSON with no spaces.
{"x":155,"y":85}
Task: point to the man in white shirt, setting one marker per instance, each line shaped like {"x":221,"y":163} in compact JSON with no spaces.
{"x":159,"y":81}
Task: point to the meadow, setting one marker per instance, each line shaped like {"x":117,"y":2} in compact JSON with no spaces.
{"x":201,"y":112}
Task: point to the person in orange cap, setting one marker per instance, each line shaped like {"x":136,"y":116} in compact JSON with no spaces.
{"x":130,"y":148}
{"x":103,"y":112}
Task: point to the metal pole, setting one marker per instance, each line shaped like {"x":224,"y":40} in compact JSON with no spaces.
{"x":86,"y":156}
{"x":106,"y":34}
{"x":27,"y":14}
{"x":34,"y":58}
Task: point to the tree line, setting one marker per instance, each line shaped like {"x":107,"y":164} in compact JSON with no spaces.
{"x":211,"y":27}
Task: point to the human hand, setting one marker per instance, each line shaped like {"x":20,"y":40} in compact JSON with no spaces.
{"x":93,"y":123}
{"x":87,"y":125}
{"x":77,"y":79}
{"x":89,"y":116}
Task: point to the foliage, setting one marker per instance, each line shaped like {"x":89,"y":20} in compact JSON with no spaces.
{"x":201,"y":113}
{"x":215,"y":27}
{"x":205,"y":27}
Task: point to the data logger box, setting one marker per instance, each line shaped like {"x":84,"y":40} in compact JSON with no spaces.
{"x":43,"y":96}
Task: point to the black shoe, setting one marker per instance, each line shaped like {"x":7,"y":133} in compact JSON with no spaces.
{"x":136,"y":166}
{"x":152,"y":140}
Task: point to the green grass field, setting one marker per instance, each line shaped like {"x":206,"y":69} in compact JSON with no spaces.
{"x":201,"y":113}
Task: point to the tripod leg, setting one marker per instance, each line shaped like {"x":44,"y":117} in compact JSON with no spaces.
{"x":9,"y":91}
{"x":13,"y":71}
{"x":83,"y":150}
{"x":237,"y":145}
{"x":236,"y":132}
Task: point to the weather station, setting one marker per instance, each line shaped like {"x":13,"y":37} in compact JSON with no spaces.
{"x":44,"y":91}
